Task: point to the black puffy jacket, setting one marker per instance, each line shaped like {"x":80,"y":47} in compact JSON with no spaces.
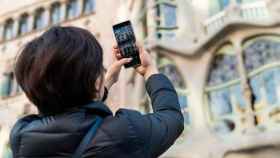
{"x":128,"y":134}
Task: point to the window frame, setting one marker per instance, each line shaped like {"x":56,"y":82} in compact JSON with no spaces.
{"x":75,"y":5}
{"x":93,"y":10}
{"x":8,"y":26}
{"x":40,"y":13}
{"x":22,"y":23}
{"x":163,"y":31}
{"x":56,"y":13}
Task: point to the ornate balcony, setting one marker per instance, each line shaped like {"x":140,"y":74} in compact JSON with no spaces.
{"x":256,"y":12}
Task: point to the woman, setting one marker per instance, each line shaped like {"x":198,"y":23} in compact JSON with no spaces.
{"x":61,"y":73}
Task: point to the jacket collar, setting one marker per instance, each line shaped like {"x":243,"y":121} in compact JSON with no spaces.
{"x":99,"y":108}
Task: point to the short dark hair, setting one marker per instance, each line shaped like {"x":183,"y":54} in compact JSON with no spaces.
{"x":59,"y":69}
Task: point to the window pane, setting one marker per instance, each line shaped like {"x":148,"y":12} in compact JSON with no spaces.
{"x":172,"y":73}
{"x":72,"y":9}
{"x":6,"y":85}
{"x":224,"y":4}
{"x":270,"y":87}
{"x":246,"y":1}
{"x":255,"y":83}
{"x":218,"y":5}
{"x":56,"y":13}
{"x":260,"y":52}
{"x":224,"y":69}
{"x":89,"y":6}
{"x":23,"y":25}
{"x":169,"y":13}
{"x":40,"y":20}
{"x":220,"y":103}
{"x":277,"y":78}
{"x":238,"y":96}
{"x":8,"y":30}
{"x":183,"y":100}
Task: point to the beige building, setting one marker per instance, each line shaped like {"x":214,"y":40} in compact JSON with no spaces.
{"x":222,"y":56}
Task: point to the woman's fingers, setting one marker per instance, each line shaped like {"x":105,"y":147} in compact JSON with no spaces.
{"x":118,"y":56}
{"x":117,"y":53}
{"x":123,"y":61}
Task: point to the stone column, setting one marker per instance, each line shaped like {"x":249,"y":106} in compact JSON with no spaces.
{"x":30,"y":21}
{"x":80,"y":7}
{"x":246,"y":89}
{"x":137,"y":15}
{"x":2,"y":32}
{"x":47,"y":15}
{"x":63,"y":10}
{"x":151,"y":19}
{"x":16,"y":26}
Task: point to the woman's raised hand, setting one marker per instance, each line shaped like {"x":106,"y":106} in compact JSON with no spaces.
{"x":113,"y":72}
{"x":146,"y":69}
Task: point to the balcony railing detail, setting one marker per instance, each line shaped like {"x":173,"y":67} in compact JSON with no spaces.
{"x":250,"y":12}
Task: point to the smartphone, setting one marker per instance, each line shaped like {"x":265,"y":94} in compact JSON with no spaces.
{"x":127,"y":43}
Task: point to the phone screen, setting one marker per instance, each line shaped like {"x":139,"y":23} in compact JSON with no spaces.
{"x":126,"y":42}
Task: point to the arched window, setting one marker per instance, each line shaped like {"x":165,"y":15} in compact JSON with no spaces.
{"x":167,"y":67}
{"x":72,"y":9}
{"x":262,"y":56}
{"x":224,"y":91}
{"x":167,"y":19}
{"x":23,"y":24}
{"x":89,"y":6}
{"x":8,"y":29}
{"x":40,"y":19}
{"x":55,"y":13}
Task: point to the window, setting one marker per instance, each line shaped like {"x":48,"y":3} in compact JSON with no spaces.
{"x":89,"y":6}
{"x":6,"y":85}
{"x":56,"y":13}
{"x":8,"y":29}
{"x":166,"y":19}
{"x":170,"y":16}
{"x":224,"y":4}
{"x":224,"y":92}
{"x":167,"y":14}
{"x":9,"y":86}
{"x":218,"y":5}
{"x":39,"y":20}
{"x":23,"y":24}
{"x":72,"y":9}
{"x":262,"y":64}
{"x":246,"y":1}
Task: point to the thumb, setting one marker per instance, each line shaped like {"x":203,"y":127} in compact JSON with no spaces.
{"x":124,"y":61}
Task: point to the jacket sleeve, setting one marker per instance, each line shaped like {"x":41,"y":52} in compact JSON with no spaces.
{"x":159,"y":129}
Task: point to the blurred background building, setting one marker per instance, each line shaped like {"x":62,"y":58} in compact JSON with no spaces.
{"x":222,"y":56}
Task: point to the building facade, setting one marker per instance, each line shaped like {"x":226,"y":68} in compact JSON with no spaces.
{"x":222,"y":56}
